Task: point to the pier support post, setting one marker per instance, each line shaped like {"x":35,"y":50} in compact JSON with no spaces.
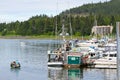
{"x":118,"y":49}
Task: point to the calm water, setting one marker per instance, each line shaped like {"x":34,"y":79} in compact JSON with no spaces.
{"x":32,"y":54}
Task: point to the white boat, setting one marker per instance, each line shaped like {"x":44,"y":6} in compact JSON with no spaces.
{"x":55,"y":68}
{"x":23,"y":44}
{"x":87,"y":44}
{"x":108,"y":60}
{"x":55,"y":63}
{"x":55,"y":59}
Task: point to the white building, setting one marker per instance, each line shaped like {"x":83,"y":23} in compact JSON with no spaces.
{"x":102,"y":30}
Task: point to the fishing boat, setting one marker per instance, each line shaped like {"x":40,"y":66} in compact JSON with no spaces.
{"x":108,"y":60}
{"x":55,"y":58}
{"x":65,"y":55}
{"x":73,"y":60}
{"x":93,"y":42}
{"x":75,"y":57}
{"x":15,"y":64}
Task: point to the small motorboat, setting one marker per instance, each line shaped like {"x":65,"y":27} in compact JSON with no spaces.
{"x":15,"y":64}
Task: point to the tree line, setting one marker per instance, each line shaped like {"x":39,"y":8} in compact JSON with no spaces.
{"x":81,"y":18}
{"x":44,"y":25}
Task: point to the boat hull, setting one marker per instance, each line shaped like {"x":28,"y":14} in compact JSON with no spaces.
{"x":105,"y":66}
{"x":55,"y":64}
{"x":71,"y":66}
{"x":101,"y":63}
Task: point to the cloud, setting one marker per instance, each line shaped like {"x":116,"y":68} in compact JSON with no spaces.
{"x":12,"y":10}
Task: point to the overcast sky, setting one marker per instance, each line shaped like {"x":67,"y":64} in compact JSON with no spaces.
{"x":12,"y":10}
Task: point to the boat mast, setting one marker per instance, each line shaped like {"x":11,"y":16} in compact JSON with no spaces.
{"x":56,"y":23}
{"x":95,"y":24}
{"x":70,"y":22}
{"x":56,"y":34}
{"x":63,"y":34}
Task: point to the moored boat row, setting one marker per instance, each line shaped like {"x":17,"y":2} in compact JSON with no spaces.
{"x":93,"y":57}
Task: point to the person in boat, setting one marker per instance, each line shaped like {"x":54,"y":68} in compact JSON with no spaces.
{"x":67,"y":48}
{"x":56,"y":57}
{"x":59,"y":58}
{"x":15,"y":64}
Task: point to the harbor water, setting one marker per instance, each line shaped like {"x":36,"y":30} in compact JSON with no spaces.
{"x":32,"y":55}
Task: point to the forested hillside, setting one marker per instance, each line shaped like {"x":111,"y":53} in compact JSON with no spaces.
{"x":106,"y":8}
{"x":82,"y":20}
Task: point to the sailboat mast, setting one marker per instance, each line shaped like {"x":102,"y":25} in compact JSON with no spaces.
{"x":70,"y":25}
{"x":63,"y":30}
{"x":70,"y":22}
{"x":56,"y":23}
{"x":56,"y":34}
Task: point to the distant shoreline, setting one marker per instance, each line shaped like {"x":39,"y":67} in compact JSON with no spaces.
{"x":25,"y":37}
{"x":41,"y":37}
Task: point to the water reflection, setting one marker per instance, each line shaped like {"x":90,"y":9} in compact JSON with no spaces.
{"x":55,"y":73}
{"x":110,"y":74}
{"x":81,"y":74}
{"x":75,"y":74}
{"x":99,"y":74}
{"x":15,"y":70}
